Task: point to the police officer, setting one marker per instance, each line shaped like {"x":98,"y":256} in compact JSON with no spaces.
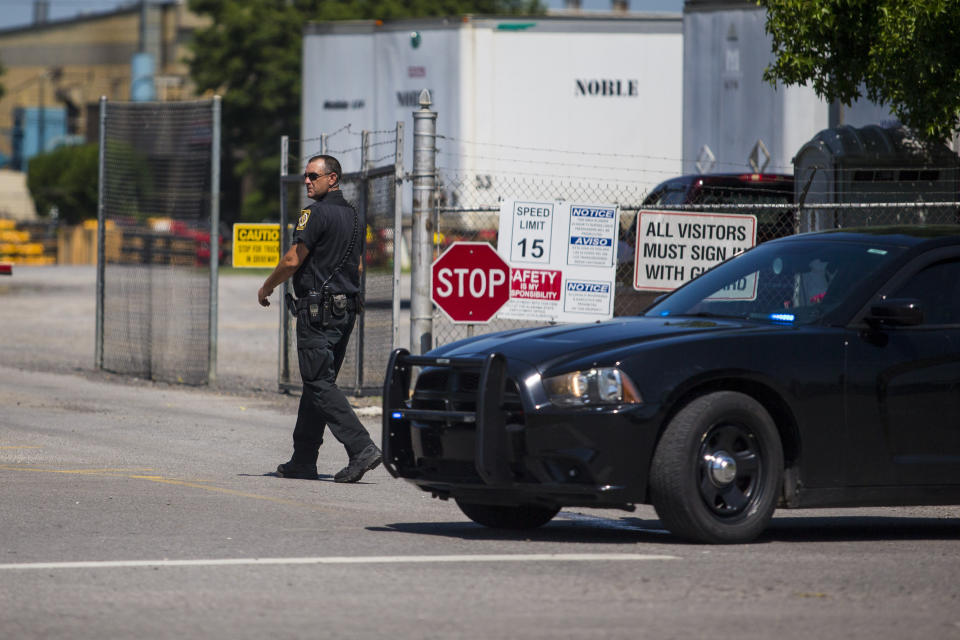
{"x":325,"y":264}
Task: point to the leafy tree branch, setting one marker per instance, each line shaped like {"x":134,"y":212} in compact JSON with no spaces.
{"x":902,"y":53}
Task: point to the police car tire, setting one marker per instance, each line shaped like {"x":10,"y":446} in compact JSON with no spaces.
{"x":498,"y":516}
{"x":689,"y":487}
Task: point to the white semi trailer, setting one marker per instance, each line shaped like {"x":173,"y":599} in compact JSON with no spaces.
{"x":546,"y":97}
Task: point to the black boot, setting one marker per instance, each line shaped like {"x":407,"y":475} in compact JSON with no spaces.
{"x":364,"y":461}
{"x":299,"y":471}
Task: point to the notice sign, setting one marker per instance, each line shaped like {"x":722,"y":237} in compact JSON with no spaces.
{"x":592,"y":236}
{"x":674,"y":247}
{"x":256,"y":245}
{"x":587,"y":297}
{"x":562,"y":260}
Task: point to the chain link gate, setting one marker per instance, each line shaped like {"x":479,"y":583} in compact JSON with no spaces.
{"x":375,"y":191}
{"x":158,"y":240}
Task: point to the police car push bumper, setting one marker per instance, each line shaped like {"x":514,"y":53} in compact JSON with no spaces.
{"x":567,"y":467}
{"x":490,"y":425}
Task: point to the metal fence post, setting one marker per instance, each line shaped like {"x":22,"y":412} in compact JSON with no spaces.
{"x":283,"y":362}
{"x":101,"y":237}
{"x":214,"y":239}
{"x":365,"y":162}
{"x":803,"y":223}
{"x":397,"y":232}
{"x":424,"y":183}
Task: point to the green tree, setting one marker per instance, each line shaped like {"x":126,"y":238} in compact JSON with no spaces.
{"x":65,"y":178}
{"x":250,"y":54}
{"x":902,"y":53}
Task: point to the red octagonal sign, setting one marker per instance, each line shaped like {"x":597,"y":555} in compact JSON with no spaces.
{"x":470,"y":282}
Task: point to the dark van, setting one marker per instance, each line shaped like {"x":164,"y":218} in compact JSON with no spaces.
{"x":709,"y":189}
{"x":726,"y":189}
{"x":734,"y":188}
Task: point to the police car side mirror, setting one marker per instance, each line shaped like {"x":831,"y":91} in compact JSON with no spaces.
{"x":895,"y":312}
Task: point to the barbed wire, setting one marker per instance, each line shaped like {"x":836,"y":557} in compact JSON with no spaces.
{"x":580,"y":165}
{"x":329,"y":151}
{"x":863,"y":174}
{"x":805,"y":207}
{"x":389,"y":156}
{"x":663,"y":173}
{"x":743,"y":206}
{"x":735,"y":165}
{"x":604,"y":154}
{"x":578,"y":152}
{"x":348,"y":128}
{"x":360,"y":148}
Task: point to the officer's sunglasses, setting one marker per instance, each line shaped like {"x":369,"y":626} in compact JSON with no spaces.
{"x":313,"y":176}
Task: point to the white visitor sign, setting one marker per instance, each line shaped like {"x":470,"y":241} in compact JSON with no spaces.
{"x":673,"y":247}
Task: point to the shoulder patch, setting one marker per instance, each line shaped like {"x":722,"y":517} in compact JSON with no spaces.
{"x":302,"y":222}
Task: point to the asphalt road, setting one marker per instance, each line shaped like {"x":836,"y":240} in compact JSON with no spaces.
{"x":131,"y":509}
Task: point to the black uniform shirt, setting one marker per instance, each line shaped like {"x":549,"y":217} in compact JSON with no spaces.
{"x":325,"y":228}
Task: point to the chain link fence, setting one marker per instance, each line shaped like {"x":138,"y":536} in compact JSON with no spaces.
{"x":819,"y":197}
{"x":466,"y":203}
{"x":374,"y":190}
{"x":158,"y":248}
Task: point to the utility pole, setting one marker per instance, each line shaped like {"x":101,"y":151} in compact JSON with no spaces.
{"x":424,"y":185}
{"x":42,"y":115}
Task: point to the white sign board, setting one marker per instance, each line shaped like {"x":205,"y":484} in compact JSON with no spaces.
{"x":674,"y":247}
{"x":562,"y":258}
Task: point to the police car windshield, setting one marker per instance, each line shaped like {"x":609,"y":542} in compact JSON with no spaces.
{"x":796,"y":283}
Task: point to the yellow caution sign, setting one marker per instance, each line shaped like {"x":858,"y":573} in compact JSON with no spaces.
{"x":256,"y":245}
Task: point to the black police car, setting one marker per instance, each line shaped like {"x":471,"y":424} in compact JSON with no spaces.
{"x":813,"y":370}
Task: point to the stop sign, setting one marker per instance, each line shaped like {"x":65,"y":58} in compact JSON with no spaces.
{"x":470,"y":282}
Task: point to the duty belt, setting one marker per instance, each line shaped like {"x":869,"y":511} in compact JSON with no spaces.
{"x":349,"y":301}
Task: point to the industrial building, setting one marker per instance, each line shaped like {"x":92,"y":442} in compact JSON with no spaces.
{"x":56,"y":71}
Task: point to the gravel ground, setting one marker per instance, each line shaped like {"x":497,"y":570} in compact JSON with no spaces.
{"x":48,"y":318}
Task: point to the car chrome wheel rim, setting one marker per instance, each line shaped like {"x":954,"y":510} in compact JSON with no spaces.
{"x":729,"y":468}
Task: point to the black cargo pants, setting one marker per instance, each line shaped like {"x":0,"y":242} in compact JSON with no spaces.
{"x":322,"y":403}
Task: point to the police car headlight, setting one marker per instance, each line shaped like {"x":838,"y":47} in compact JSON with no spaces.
{"x":607,"y":385}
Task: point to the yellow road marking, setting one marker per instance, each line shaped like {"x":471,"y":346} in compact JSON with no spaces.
{"x":134,"y":475}
{"x":19,"y":447}
{"x":232,"y":492}
{"x":120,"y":473}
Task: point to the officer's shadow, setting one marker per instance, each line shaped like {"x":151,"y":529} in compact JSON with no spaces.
{"x":325,"y":477}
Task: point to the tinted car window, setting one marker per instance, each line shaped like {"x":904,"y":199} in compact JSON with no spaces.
{"x":937,"y":287}
{"x":771,"y":223}
{"x":797,"y":282}
{"x":744,"y":195}
{"x":673,"y":194}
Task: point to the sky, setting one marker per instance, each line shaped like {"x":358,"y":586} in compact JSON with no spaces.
{"x":19,"y":13}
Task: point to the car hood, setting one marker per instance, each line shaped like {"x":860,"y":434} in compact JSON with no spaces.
{"x":544,"y":346}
